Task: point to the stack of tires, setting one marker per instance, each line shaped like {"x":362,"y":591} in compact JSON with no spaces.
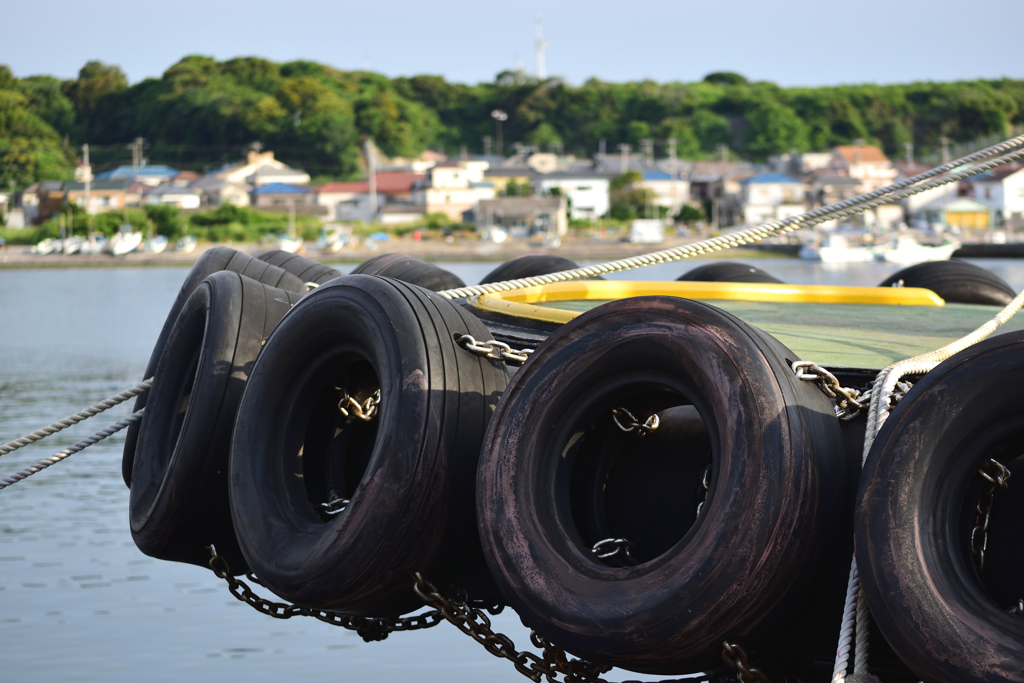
{"x":654,"y":482}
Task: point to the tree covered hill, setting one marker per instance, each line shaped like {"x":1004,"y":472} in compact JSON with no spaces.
{"x":202,"y":113}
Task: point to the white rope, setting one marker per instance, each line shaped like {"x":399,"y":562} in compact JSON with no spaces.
{"x":81,"y":445}
{"x":981,"y":161}
{"x":855,"y":616}
{"x":95,"y":409}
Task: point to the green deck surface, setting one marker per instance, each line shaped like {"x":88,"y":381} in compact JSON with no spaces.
{"x":853,"y":335}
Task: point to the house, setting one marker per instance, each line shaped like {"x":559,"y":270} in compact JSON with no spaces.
{"x":134,"y":192}
{"x":771,"y":196}
{"x":170,"y":194}
{"x":668,"y":190}
{"x":966,"y":213}
{"x":150,"y":175}
{"x":104,"y":195}
{"x":586,"y":192}
{"x":502,"y":176}
{"x":351,"y":201}
{"x":398,"y":213}
{"x":280,"y":196}
{"x":536,"y":214}
{"x":214,"y":192}
{"x":829,"y":189}
{"x":1002,"y":188}
{"x":867,"y":163}
{"x":260,"y":169}
{"x":454,"y":187}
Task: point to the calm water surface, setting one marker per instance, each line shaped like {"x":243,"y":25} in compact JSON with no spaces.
{"x":78,"y":601}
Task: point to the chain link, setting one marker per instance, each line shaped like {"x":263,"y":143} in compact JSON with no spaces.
{"x":705,"y":487}
{"x":369,"y":628}
{"x":1018,"y":609}
{"x":625,"y":421}
{"x":354,"y":410}
{"x":493,"y":349}
{"x":736,"y":658}
{"x":849,"y":401}
{"x":997,"y":476}
{"x":611,"y":547}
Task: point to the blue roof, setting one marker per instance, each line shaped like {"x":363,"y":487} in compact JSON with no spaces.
{"x":280,"y":188}
{"x":772,"y":178}
{"x":657,"y":175}
{"x":144,"y":172}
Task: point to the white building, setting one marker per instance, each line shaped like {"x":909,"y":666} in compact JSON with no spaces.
{"x":172,"y":195}
{"x":586,"y":191}
{"x":867,"y":163}
{"x":771,"y":196}
{"x":1002,"y":188}
{"x":261,"y":169}
{"x":454,"y":187}
{"x":669,"y":192}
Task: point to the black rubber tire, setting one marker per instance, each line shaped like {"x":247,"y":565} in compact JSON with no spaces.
{"x":727,"y":271}
{"x":409,"y":473}
{"x":735,"y":571}
{"x":179,"y":495}
{"x":412,"y":270}
{"x":212,"y":261}
{"x":306,"y":269}
{"x":531,"y":265}
{"x":917,"y":500}
{"x":955,"y":281}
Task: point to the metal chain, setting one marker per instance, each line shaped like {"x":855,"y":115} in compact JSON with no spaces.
{"x":611,"y":547}
{"x":705,"y":488}
{"x":369,"y":628}
{"x":736,"y":658}
{"x":1018,"y":609}
{"x":493,"y":349}
{"x":625,"y":421}
{"x":997,"y":476}
{"x":354,"y":410}
{"x":849,"y":400}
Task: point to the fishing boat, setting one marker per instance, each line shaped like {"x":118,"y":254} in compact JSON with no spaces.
{"x":906,"y":249}
{"x":665,"y":477}
{"x":124,"y":241}
{"x":837,"y":248}
{"x":46,"y":246}
{"x":94,"y":244}
{"x":155,"y":245}
{"x":186,"y":244}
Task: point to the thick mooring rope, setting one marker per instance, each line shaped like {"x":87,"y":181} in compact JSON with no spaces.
{"x":856,"y":614}
{"x":997,"y":155}
{"x":95,"y":409}
{"x":85,"y":443}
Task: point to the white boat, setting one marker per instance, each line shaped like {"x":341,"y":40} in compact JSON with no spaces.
{"x":837,"y":249}
{"x":47,"y":246}
{"x":292,"y":245}
{"x":72,"y":245}
{"x":186,"y":244}
{"x":96,"y":244}
{"x":155,"y":245}
{"x":124,"y":242}
{"x":906,"y":250}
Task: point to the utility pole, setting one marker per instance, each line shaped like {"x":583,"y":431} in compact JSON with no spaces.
{"x":648,"y":150}
{"x":542,"y":44}
{"x":909,"y":147}
{"x":136,"y":146}
{"x":601,"y":147}
{"x":499,"y":115}
{"x":723,"y":149}
{"x":88,"y":189}
{"x":672,"y":142}
{"x":624,"y":158}
{"x":256,"y":147}
{"x":371,"y":171}
{"x":487,"y":145}
{"x":944,"y":141}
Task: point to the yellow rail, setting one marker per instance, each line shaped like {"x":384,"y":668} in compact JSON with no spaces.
{"x":521,"y":302}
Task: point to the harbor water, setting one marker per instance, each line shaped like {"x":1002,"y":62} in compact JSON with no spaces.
{"x":78,"y":601}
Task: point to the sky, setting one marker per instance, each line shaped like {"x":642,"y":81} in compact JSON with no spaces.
{"x":790,"y":42}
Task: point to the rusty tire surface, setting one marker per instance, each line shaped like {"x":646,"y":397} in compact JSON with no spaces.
{"x":917,"y":498}
{"x":211,"y":261}
{"x":409,"y":473}
{"x":410,"y":269}
{"x":306,"y":269}
{"x":178,"y":502}
{"x":765,"y":530}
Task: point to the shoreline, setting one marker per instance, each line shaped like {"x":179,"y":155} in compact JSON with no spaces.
{"x":19,"y":257}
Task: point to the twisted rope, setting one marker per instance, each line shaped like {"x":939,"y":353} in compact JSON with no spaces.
{"x":85,"y":443}
{"x":856,"y":615}
{"x":997,"y":155}
{"x":95,"y":409}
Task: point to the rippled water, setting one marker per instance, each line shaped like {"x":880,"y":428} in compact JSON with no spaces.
{"x":78,"y":601}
